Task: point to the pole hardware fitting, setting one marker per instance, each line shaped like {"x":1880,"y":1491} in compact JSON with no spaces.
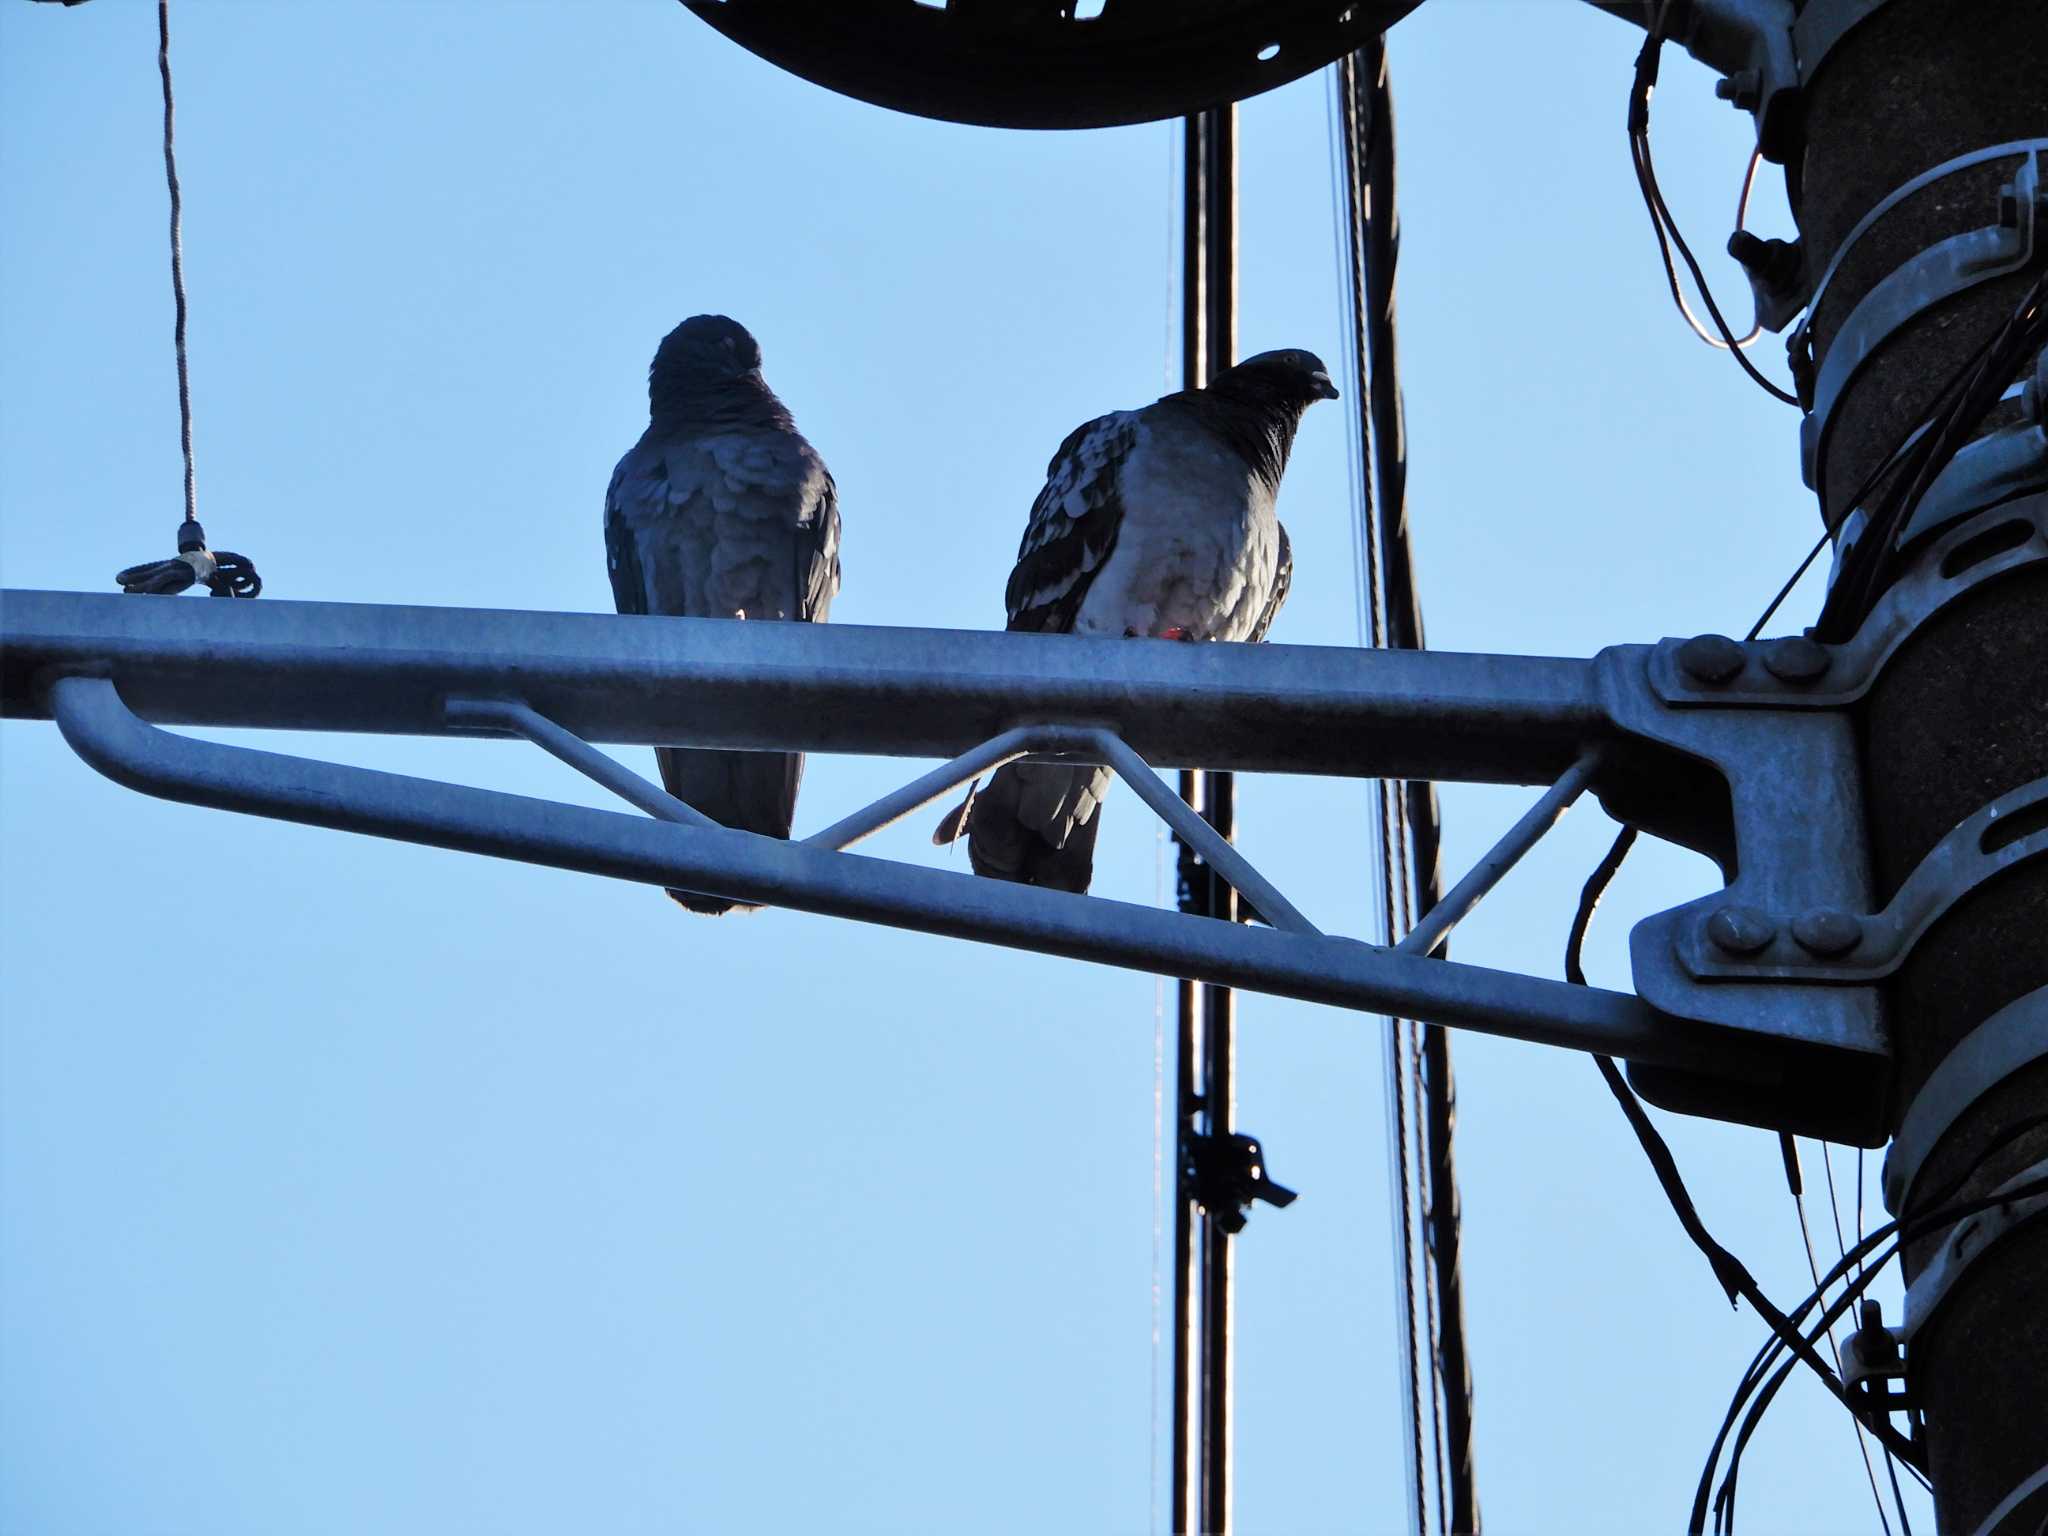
{"x":2011,"y":1040}
{"x":1826,"y":943}
{"x":1873,"y":1357}
{"x":1933,"y":276}
{"x":1776,"y":270}
{"x":1968,"y":1241}
{"x":1798,"y":672}
{"x":1225,"y":1174}
{"x":1997,"y":467}
{"x":1749,"y":43}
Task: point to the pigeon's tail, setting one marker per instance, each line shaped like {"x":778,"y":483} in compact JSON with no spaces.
{"x":748,"y":791}
{"x":1034,"y":823}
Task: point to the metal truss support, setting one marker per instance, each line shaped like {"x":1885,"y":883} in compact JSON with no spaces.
{"x":1765,"y":780}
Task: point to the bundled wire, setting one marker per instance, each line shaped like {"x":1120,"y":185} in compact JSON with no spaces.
{"x":1944,"y":424}
{"x":1353,"y":104}
{"x":1421,"y":1094}
{"x":1734,"y":1277}
{"x":1665,"y":227}
{"x":1869,"y":563}
{"x":1888,"y":1242}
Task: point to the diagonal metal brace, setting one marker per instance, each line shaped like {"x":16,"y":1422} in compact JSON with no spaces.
{"x":100,"y":727}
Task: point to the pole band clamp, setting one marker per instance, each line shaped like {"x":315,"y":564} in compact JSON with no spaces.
{"x":1937,"y":274}
{"x":2013,"y":1038}
{"x":1994,"y":1523}
{"x":1967,"y":1241}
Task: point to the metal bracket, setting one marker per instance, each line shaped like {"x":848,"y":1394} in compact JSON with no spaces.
{"x":1769,"y":789}
{"x":2010,"y":1040}
{"x":1226,"y":1174}
{"x":1737,"y":941}
{"x":1941,"y":272}
{"x":1967,"y":1241}
{"x":1794,"y":672}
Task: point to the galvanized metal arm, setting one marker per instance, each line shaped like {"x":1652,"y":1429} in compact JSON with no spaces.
{"x":1672,"y":738}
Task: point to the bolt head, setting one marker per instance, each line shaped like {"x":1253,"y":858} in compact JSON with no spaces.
{"x":1796,"y":659}
{"x":1827,"y":932}
{"x":1710,"y":658}
{"x":1740,"y":930}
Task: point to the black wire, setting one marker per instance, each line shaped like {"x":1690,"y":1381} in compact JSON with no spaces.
{"x":1943,"y":401}
{"x":1868,"y":563}
{"x":230,"y":574}
{"x":1662,"y":224}
{"x":1734,"y":1277}
{"x":1897,"y":1233}
{"x":163,"y":64}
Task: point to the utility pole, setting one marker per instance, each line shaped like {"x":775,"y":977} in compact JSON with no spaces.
{"x":1961,"y":715}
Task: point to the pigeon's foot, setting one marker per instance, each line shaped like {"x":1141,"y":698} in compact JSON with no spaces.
{"x":1175,"y":632}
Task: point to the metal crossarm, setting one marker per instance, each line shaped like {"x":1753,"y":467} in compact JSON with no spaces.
{"x":1762,"y":784}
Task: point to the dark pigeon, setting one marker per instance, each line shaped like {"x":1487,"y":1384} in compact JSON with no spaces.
{"x":1155,"y":522}
{"x":722,"y":510}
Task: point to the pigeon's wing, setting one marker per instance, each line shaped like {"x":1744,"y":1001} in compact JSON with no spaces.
{"x":1283,"y":578}
{"x":817,"y":550}
{"x":725,"y":527}
{"x":636,"y":525}
{"x":1074,"y":524}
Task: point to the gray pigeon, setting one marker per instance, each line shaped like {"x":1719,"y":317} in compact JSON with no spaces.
{"x":1154,"y":522}
{"x":722,"y":510}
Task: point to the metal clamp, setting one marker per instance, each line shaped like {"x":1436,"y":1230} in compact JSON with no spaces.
{"x":1227,"y":1173}
{"x":1967,"y":1241}
{"x":1795,"y":672}
{"x":1934,"y":276}
{"x":1800,"y":342}
{"x":2013,"y":1038}
{"x":1997,"y":467}
{"x":1734,"y":941}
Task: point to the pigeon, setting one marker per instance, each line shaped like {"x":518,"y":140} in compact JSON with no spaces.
{"x":1156,"y":522}
{"x":722,"y":510}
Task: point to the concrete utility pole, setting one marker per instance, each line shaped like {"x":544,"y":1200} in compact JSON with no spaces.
{"x":1961,"y":716}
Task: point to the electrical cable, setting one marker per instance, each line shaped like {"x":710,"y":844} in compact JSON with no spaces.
{"x":1936,"y":1211}
{"x":1789,"y":1146}
{"x":1867,"y":564}
{"x":1387,"y":808}
{"x":223,"y":572}
{"x":1898,"y":1234}
{"x":1734,"y":1277}
{"x":1665,"y":227}
{"x":1943,"y":401}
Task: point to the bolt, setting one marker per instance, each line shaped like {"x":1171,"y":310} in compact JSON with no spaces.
{"x":1745,"y":88}
{"x":1796,"y":659}
{"x":1711,"y":658}
{"x":1740,"y":930}
{"x":1827,"y":932}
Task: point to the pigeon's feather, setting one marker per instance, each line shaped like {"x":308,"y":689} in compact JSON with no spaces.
{"x":725,"y":513}
{"x":1073,"y":526}
{"x":1158,"y":521}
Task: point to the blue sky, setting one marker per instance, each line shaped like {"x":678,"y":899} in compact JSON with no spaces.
{"x":346,"y":1185}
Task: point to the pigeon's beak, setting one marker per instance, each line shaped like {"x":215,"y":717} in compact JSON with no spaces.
{"x":1325,"y":390}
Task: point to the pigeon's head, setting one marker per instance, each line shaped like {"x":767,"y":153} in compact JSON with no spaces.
{"x":705,"y":349}
{"x":1291,"y":375}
